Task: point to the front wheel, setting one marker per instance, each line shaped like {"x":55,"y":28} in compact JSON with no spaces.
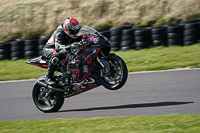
{"x":117,"y":76}
{"x":45,"y":99}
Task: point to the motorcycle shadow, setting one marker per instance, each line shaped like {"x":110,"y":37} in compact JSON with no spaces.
{"x":143,"y":105}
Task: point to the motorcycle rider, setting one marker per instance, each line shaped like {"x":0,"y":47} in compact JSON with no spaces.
{"x":59,"y":43}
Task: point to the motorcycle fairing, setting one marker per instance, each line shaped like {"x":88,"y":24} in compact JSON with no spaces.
{"x":86,"y":59}
{"x":80,"y":89}
{"x":39,"y":62}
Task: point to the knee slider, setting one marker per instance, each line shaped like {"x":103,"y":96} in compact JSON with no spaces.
{"x":54,"y":60}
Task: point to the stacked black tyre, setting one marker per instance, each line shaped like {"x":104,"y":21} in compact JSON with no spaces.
{"x":41,"y":42}
{"x":31,"y":48}
{"x":142,"y":37}
{"x":127,"y":40}
{"x":159,"y":35}
{"x":5,"y":50}
{"x":175,"y":35}
{"x":115,"y":37}
{"x":17,"y":50}
{"x":191,"y":32}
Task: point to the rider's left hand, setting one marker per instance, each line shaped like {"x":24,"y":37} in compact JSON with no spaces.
{"x":85,"y":40}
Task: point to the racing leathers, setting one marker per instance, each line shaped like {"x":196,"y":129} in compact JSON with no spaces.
{"x":58,"y":44}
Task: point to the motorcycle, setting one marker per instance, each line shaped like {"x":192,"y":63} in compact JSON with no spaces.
{"x":83,"y":68}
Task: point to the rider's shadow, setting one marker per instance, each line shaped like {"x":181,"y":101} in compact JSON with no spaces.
{"x":143,"y":105}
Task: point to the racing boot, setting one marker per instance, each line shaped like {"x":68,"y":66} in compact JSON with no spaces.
{"x":50,"y":72}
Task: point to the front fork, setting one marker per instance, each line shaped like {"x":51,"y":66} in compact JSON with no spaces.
{"x":103,"y":62}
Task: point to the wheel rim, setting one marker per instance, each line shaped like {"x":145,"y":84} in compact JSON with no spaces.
{"x":43,"y":100}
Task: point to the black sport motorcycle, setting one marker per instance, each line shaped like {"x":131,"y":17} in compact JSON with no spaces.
{"x":85,"y":67}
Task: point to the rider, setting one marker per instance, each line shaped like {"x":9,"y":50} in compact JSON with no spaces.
{"x":65,"y":34}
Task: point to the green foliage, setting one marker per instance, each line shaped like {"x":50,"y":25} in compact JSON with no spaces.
{"x":105,"y":25}
{"x":171,"y":20}
{"x":134,"y":124}
{"x":146,"y":22}
{"x":12,"y":36}
{"x":23,"y":34}
{"x":33,"y":33}
{"x":193,"y":16}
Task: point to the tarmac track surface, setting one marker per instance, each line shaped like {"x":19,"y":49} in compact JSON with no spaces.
{"x":149,"y":93}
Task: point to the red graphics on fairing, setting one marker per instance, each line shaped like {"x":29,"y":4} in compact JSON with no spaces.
{"x":38,"y":62}
{"x":85,"y":59}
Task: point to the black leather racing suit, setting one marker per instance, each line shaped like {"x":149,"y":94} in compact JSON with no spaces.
{"x":59,"y":40}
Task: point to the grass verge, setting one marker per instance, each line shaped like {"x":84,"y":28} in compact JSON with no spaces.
{"x":162,"y":58}
{"x":135,"y":124}
{"x":159,"y":58}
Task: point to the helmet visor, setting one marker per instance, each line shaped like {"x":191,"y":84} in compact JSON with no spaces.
{"x":73,"y":32}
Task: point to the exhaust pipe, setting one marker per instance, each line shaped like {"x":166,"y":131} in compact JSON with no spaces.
{"x":42,"y":84}
{"x":50,"y":87}
{"x":56,"y":89}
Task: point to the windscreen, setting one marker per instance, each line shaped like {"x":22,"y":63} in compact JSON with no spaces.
{"x":87,"y":30}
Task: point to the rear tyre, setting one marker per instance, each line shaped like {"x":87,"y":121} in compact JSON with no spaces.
{"x":117,"y":76}
{"x":44,"y":103}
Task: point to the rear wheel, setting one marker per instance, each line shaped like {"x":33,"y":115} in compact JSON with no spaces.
{"x":117,"y":75}
{"x":45,"y":99}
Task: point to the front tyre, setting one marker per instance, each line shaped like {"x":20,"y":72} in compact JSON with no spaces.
{"x":117,"y":76}
{"x":45,"y":99}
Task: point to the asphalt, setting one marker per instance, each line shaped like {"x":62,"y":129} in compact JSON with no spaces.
{"x":147,"y":93}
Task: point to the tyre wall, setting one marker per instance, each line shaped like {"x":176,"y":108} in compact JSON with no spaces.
{"x":191,"y":32}
{"x":123,"y":38}
{"x":127,"y":40}
{"x":175,"y":35}
{"x":159,"y":35}
{"x":142,"y":37}
{"x":17,"y":50}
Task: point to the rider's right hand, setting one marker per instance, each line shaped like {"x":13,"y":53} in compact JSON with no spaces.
{"x":74,"y":46}
{"x":67,"y":47}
